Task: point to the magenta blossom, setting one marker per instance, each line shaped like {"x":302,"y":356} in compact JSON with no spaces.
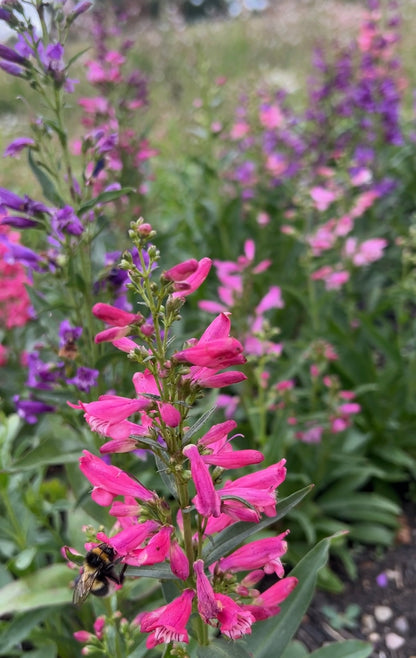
{"x":168,"y":623}
{"x":207,"y":500}
{"x":263,"y":553}
{"x":113,"y":480}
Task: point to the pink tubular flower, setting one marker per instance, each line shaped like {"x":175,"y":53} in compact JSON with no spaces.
{"x":322,"y":197}
{"x":188,"y":284}
{"x":273,"y":299}
{"x":108,"y":416}
{"x":115,"y":316}
{"x":131,"y":538}
{"x":111,"y":479}
{"x":155,"y":551}
{"x":218,"y":450}
{"x":263,"y":553}
{"x":181,"y":271}
{"x":207,"y":500}
{"x":168,"y":623}
{"x":266,"y":604}
{"x":232,"y":619}
{"x":219,"y":353}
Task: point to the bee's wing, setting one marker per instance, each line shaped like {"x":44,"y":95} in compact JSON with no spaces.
{"x":83,"y":586}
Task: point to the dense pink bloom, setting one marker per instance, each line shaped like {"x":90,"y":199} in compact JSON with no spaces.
{"x":322,"y":197}
{"x":366,"y":252}
{"x":207,"y":500}
{"x":111,"y":479}
{"x":263,"y":553}
{"x":168,"y":623}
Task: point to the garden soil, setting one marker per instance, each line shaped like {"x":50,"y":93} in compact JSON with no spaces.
{"x":385,"y":595}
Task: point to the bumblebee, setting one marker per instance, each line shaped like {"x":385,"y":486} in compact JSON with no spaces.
{"x":98,"y":574}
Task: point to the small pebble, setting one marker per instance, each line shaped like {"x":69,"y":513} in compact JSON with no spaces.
{"x":394,"y":641}
{"x":368,"y":624}
{"x":383,"y":613}
{"x":402,"y":624}
{"x":374,"y":637}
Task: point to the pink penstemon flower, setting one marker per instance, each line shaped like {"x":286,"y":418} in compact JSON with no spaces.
{"x":168,"y":623}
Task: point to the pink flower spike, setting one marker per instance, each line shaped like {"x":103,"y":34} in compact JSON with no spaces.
{"x":115,"y":316}
{"x":112,"y":479}
{"x":168,"y":623}
{"x":207,"y":500}
{"x":263,"y":553}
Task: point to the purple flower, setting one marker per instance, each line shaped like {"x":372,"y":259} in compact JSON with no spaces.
{"x":18,"y":145}
{"x":30,"y":409}
{"x":25,"y":204}
{"x":12,"y":69}
{"x":17,"y":253}
{"x":19,"y":222}
{"x":68,"y":334}
{"x":80,"y":8}
{"x":42,"y":375}
{"x":66,"y":221}
{"x":11,"y":55}
{"x":84,"y":379}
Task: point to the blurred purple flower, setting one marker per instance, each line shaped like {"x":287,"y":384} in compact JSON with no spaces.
{"x":68,"y":334}
{"x":18,"y":145}
{"x":66,"y":221}
{"x":85,"y":379}
{"x":29,"y":410}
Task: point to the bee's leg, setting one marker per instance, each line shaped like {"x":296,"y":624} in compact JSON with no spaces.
{"x":121,"y":574}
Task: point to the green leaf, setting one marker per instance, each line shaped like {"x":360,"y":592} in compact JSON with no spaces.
{"x":105,"y":197}
{"x":44,"y":588}
{"x":347,"y":649}
{"x":295,"y":649}
{"x":271,"y":637}
{"x":221,"y":648}
{"x":19,"y":628}
{"x":231,"y":537}
{"x":161,"y":571}
{"x":44,"y":454}
{"x":48,"y":188}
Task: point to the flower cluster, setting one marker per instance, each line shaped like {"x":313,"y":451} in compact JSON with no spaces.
{"x":148,"y":529}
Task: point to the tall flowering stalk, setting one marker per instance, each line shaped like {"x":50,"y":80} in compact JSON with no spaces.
{"x":183,"y":533}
